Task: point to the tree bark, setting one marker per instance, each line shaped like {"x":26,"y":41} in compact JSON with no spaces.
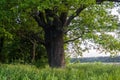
{"x":33,"y":51}
{"x":1,"y":46}
{"x":54,"y":44}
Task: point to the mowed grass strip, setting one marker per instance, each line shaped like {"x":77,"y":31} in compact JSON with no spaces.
{"x":97,"y":71}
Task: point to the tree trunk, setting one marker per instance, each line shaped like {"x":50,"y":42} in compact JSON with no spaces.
{"x":2,"y":59}
{"x":54,"y":44}
{"x":34,"y":51}
{"x":1,"y":44}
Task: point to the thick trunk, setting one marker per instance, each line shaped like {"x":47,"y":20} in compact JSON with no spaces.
{"x":54,"y":45}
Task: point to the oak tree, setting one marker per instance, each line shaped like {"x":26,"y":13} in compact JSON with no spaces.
{"x":55,"y":18}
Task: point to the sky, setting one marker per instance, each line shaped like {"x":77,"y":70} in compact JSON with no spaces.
{"x":95,"y":53}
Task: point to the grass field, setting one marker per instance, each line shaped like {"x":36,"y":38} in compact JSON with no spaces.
{"x":95,"y":71}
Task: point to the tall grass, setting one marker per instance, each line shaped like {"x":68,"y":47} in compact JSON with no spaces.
{"x":95,"y":71}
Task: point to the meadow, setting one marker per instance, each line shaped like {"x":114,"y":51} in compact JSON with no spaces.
{"x":77,"y":71}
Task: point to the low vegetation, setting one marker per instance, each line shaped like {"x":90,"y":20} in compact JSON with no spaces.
{"x":87,"y":71}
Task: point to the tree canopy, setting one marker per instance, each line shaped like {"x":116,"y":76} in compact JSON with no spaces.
{"x":52,"y":23}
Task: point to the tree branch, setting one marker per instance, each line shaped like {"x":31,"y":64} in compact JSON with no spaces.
{"x":82,"y":8}
{"x":66,"y":31}
{"x":63,"y":17}
{"x":39,"y":40}
{"x":39,"y":17}
{"x":74,"y":15}
{"x":30,"y":35}
{"x":53,"y":20}
{"x":71,"y":40}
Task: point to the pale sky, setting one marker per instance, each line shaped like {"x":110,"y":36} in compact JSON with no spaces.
{"x":114,"y":11}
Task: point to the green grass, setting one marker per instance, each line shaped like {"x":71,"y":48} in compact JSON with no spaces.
{"x":88,"y":71}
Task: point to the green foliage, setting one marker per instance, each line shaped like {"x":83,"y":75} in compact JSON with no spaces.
{"x":109,"y":43}
{"x":97,"y":71}
{"x":18,"y":27}
{"x":92,"y":20}
{"x":6,"y":34}
{"x":105,"y":42}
